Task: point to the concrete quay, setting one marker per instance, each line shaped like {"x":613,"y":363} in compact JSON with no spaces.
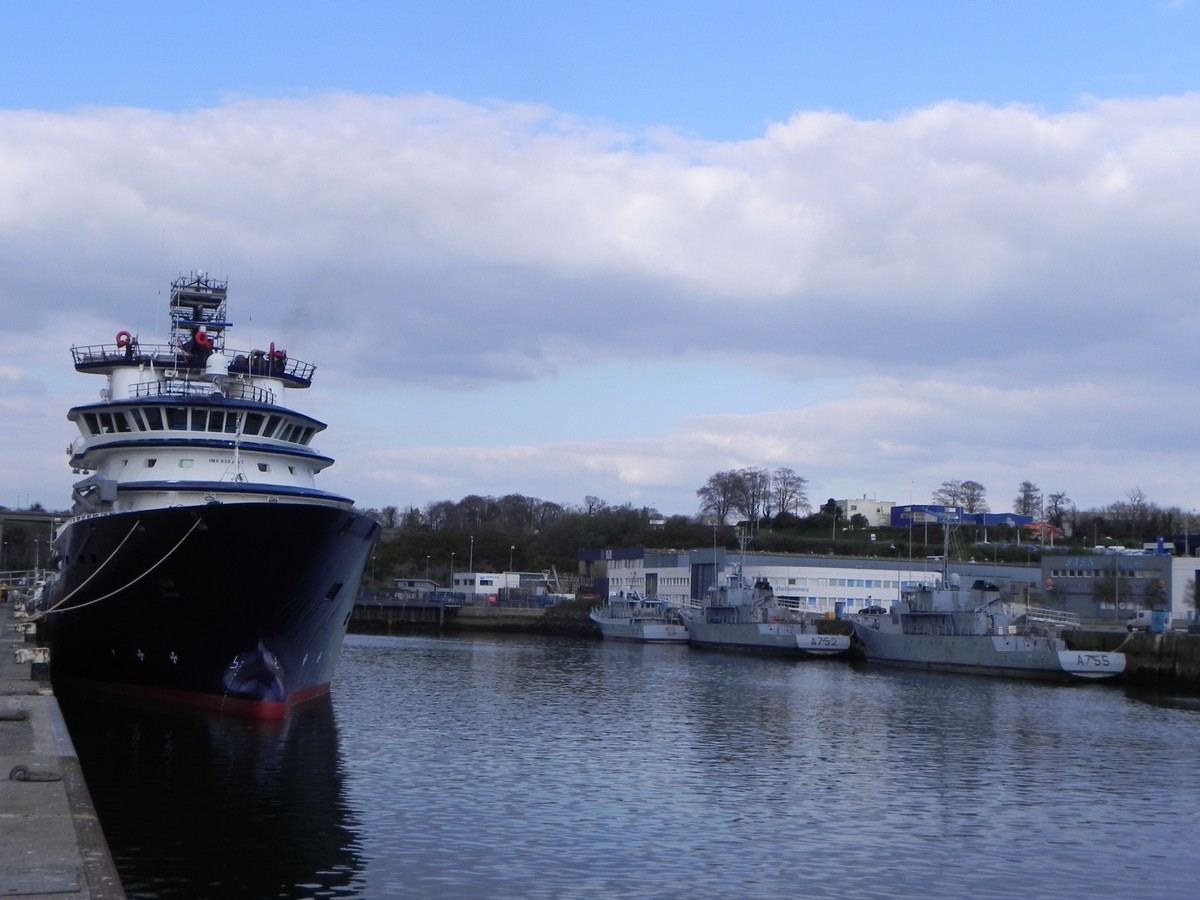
{"x":1165,"y":662}
{"x":51,"y":844}
{"x":392,"y":617}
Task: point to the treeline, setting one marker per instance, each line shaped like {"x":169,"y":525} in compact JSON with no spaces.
{"x":1132,"y":520}
{"x":521,"y":533}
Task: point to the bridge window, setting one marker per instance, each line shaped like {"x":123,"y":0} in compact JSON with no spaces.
{"x":177,"y":418}
{"x":154,"y":418}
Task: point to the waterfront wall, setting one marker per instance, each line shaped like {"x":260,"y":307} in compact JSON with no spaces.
{"x":1162,"y":661}
{"x":1153,"y":661}
{"x":399,"y":618}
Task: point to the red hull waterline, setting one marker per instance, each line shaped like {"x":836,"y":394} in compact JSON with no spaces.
{"x":165,"y":698}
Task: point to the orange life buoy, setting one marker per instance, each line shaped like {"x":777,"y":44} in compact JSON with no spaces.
{"x":203,"y":339}
{"x":124,"y":338}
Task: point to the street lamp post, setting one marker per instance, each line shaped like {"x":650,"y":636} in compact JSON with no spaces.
{"x":426,"y":568}
{"x":471,"y":558}
{"x":452,"y":568}
{"x":1116,"y":589}
{"x":510,"y":556}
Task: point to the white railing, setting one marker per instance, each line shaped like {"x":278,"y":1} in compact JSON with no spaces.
{"x":1051,"y":616}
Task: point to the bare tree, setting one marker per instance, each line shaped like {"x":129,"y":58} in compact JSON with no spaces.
{"x":788,"y":490}
{"x":473,"y":510}
{"x":1057,"y":503}
{"x":592,"y":505}
{"x":719,"y":494}
{"x":752,"y":493}
{"x":1028,"y":501}
{"x":412,"y":520}
{"x":974,"y":497}
{"x":949,"y":494}
{"x":516,"y":512}
{"x":967,"y":494}
{"x":441,"y":514}
{"x":545,"y":512}
{"x":1138,"y":509}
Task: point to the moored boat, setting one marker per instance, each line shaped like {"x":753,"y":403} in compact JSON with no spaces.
{"x":741,"y":616}
{"x":628,"y":616}
{"x":944,"y":627}
{"x":201,"y":564}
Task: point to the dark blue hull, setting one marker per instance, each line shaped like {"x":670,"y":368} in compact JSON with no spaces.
{"x":235,"y":607}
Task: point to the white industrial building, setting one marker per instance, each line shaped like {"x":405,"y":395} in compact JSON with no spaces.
{"x":823,"y":585}
{"x":819,"y":585}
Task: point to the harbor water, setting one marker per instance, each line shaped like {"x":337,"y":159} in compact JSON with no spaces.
{"x":522,"y":766}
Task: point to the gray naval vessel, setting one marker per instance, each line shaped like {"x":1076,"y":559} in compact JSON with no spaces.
{"x":739,"y":615}
{"x":944,"y":627}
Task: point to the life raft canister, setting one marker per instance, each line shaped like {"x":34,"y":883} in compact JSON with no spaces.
{"x":124,"y":338}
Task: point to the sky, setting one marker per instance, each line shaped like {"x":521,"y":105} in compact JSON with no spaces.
{"x":608,"y":249}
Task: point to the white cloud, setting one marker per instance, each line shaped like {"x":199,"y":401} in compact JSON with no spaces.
{"x":989,"y":292}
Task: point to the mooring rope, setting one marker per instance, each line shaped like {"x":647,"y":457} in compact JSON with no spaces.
{"x":95,"y":572}
{"x":56,"y":607}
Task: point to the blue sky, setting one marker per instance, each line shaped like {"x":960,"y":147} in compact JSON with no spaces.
{"x":719,"y":70}
{"x":569,"y":249}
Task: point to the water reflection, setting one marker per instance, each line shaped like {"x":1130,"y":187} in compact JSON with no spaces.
{"x":200,"y":805}
{"x":528,"y":767}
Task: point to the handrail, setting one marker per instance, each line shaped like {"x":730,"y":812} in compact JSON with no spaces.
{"x":1052,"y":616}
{"x":169,"y":356}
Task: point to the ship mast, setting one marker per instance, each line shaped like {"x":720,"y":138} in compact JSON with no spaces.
{"x":198,"y":313}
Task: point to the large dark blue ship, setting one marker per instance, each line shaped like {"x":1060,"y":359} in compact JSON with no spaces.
{"x":201,"y":564}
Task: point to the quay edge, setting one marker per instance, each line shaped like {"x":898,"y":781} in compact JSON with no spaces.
{"x":1162,"y":661}
{"x":51,"y":842}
